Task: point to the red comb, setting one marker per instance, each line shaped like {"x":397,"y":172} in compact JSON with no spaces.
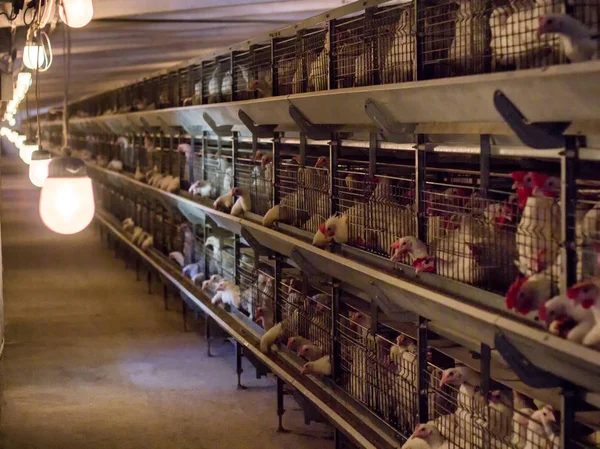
{"x":418,"y":261}
{"x":539,"y":179}
{"x":396,"y":244}
{"x":513,"y":291}
{"x":523,"y":193}
{"x":518,"y":176}
{"x":573,"y":292}
{"x":322,"y":228}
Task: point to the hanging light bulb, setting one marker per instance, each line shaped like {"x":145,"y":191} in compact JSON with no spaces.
{"x":26,"y":150}
{"x":67,"y":198}
{"x":38,"y":169}
{"x":12,"y":121}
{"x":19,"y":142}
{"x":34,"y":56}
{"x":76,"y":13}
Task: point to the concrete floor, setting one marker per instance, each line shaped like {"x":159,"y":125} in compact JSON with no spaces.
{"x":93,"y":361}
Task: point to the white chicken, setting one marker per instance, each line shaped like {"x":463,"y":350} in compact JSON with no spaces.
{"x":539,"y":433}
{"x":527,"y":294}
{"x":587,"y":295}
{"x":310,"y":352}
{"x":214,"y":86}
{"x":177,"y":257}
{"x":270,"y":337}
{"x":115,"y":165}
{"x":203,"y":189}
{"x":398,"y":64}
{"x":578,"y":41}
{"x":243,"y":203}
{"x":147,"y":242}
{"x":425,"y":436}
{"x":139,"y":175}
{"x":566,"y":318}
{"x":224,"y":202}
{"x":320,"y":367}
{"x":319,"y":68}
{"x":227,"y":85}
{"x":128,"y":224}
{"x":520,"y":422}
{"x":537,"y":241}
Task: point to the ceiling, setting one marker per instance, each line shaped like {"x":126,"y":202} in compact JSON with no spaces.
{"x":128,"y":40}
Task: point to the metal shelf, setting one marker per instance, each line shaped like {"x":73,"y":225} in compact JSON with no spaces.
{"x":431,"y":105}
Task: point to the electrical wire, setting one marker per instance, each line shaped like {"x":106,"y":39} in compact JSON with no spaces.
{"x":12,"y":15}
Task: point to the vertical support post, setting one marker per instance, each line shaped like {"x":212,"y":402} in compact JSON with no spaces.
{"x":207,"y":334}
{"x":166,"y":296}
{"x":372,"y":155}
{"x":332,"y":56}
{"x":280,"y":405}
{"x":235,"y":146}
{"x":420,"y":177}
{"x":486,"y":373}
{"x":274,"y":74}
{"x":171,"y":151}
{"x":419,"y":27}
{"x":192,"y":163}
{"x":204,"y":155}
{"x":238,"y":365}
{"x":276,"y":167}
{"x":568,"y":200}
{"x":333,"y":163}
{"x":484,"y":164}
{"x":423,"y":379}
{"x":370,"y":44}
{"x":568,"y":402}
{"x":277,"y":281}
{"x":302,"y":148}
{"x":335,"y":331}
{"x":184,"y":307}
{"x":161,"y":143}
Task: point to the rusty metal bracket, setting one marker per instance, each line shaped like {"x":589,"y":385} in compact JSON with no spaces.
{"x":314,"y":132}
{"x":527,"y":372}
{"x":260,"y":131}
{"x":219,"y":130}
{"x":541,"y":136}
{"x":392,"y":131}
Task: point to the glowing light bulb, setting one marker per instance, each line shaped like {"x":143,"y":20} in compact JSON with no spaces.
{"x":76,"y":13}
{"x":38,"y":169}
{"x":34,"y":56}
{"x":4,"y":131}
{"x":67,"y":198}
{"x":12,"y":121}
{"x":26,"y":151}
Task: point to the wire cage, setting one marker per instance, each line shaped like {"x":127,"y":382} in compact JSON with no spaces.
{"x":304,"y":308}
{"x":514,"y":41}
{"x":261,"y":73}
{"x":185,"y":93}
{"x":256,"y":283}
{"x":219,"y":254}
{"x":395,"y":33}
{"x":217,"y":80}
{"x":218,"y":168}
{"x":243,"y":75}
{"x":303,"y":190}
{"x":378,"y":209}
{"x":480,"y":235}
{"x":254,"y":173}
{"x":354,"y":52}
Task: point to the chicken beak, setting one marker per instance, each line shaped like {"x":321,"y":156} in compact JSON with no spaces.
{"x":305,"y":369}
{"x":443,"y":380}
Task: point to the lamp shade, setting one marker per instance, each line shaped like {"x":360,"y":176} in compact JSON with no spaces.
{"x":67,"y":198}
{"x":76,"y":13}
{"x":34,"y":56}
{"x":38,"y":169}
{"x":26,"y":151}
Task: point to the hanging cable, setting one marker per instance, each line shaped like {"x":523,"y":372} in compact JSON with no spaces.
{"x":67,"y":75}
